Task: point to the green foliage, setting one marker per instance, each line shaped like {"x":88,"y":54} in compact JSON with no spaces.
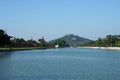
{"x":99,"y":42}
{"x":108,"y":41}
{"x":91,"y":43}
{"x":118,"y":43}
{"x":65,"y":41}
{"x":60,"y":42}
{"x":4,"y":38}
{"x":43,"y":43}
{"x":111,"y":40}
{"x":20,"y":42}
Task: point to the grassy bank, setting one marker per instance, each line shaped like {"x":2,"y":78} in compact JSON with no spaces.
{"x":20,"y":49}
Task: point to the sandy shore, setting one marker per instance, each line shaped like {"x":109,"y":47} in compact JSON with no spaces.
{"x":110,"y":48}
{"x":106,"y":48}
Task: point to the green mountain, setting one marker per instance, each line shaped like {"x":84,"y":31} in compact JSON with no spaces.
{"x":74,"y":40}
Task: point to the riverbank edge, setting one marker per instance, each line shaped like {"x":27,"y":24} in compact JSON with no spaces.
{"x":20,"y":49}
{"x":105,"y":48}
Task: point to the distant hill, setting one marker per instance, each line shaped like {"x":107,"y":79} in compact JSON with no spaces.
{"x":74,"y":40}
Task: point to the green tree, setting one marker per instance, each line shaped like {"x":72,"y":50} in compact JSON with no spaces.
{"x":42,"y":42}
{"x":108,"y":40}
{"x":99,"y":42}
{"x":118,"y":43}
{"x":4,"y":38}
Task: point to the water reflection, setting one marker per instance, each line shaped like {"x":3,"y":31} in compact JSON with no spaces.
{"x":5,"y":54}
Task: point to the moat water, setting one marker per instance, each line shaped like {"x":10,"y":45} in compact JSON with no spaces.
{"x":60,"y":64}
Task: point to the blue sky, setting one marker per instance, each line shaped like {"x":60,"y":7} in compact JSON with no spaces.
{"x":55,"y":18}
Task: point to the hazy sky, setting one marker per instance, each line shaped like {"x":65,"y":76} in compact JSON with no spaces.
{"x":55,"y":18}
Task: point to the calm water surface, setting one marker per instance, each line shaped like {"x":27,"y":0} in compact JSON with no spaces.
{"x":60,"y":64}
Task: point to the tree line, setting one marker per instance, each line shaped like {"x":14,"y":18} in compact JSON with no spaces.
{"x":4,"y":39}
{"x":108,"y":41}
{"x":9,"y":41}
